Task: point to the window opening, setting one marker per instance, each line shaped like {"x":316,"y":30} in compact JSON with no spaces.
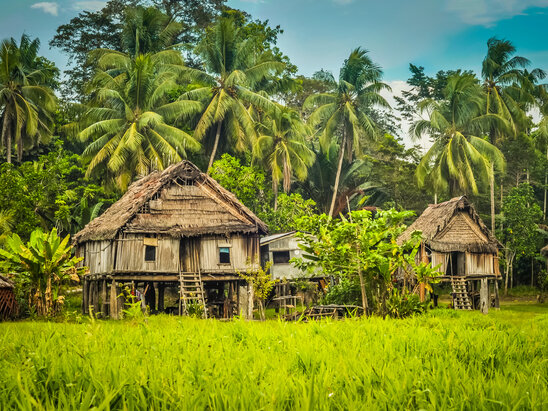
{"x":150,"y":253}
{"x":280,"y":257}
{"x":224,"y":255}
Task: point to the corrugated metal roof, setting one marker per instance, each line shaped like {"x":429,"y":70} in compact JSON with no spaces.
{"x":270,"y":238}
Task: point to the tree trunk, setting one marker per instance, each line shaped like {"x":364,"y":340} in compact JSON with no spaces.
{"x":545,"y":184}
{"x":501,"y":208}
{"x":508,"y":269}
{"x":492,"y":189}
{"x":435,"y":198}
{"x":275,"y":190}
{"x":338,"y":176}
{"x":6,"y":137}
{"x":532,"y":272}
{"x":217,"y":136}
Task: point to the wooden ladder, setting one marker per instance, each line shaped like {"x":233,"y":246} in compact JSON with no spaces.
{"x":191,"y":291}
{"x":461,"y":299}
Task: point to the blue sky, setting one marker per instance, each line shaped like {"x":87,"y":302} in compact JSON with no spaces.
{"x":436,"y":34}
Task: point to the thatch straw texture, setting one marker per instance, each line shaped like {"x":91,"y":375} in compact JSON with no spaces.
{"x":453,"y":226}
{"x":5,"y":282}
{"x":179,"y":201}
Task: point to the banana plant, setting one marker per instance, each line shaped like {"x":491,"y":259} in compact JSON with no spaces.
{"x":42,"y":266}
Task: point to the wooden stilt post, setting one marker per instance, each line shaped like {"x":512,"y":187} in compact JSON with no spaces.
{"x":91,"y":298}
{"x":484,"y":294}
{"x":113,"y":309}
{"x":121,"y":300}
{"x":160,"y":297}
{"x":85,"y":296}
{"x":104,"y":304}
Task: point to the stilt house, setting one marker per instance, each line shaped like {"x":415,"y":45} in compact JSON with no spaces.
{"x":456,"y":239}
{"x":176,"y":240}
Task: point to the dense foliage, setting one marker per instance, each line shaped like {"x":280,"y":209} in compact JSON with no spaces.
{"x":362,"y":249}
{"x":153,"y":81}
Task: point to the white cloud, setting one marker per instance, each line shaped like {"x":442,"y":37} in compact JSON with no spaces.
{"x":89,"y":5}
{"x":488,"y":12}
{"x":47,"y":7}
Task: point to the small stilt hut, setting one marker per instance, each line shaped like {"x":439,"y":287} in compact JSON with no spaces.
{"x":177,"y":241}
{"x":8,"y":305}
{"x":456,"y":239}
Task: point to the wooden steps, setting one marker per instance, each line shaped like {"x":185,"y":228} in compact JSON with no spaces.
{"x":461,"y":298}
{"x":191,"y":292}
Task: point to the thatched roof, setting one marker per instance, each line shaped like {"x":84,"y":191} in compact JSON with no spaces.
{"x":453,"y":226}
{"x":5,"y":282}
{"x":544,"y":251}
{"x":179,"y":201}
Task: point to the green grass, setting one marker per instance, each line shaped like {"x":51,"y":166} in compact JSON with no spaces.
{"x":443,"y":360}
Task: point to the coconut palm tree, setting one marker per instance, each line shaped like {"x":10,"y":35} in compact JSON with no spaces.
{"x":459,"y":159}
{"x":130,"y":122}
{"x":506,"y":82}
{"x":226,"y":85}
{"x":282,"y":147}
{"x":342,"y":115}
{"x":26,"y":102}
{"x":354,"y":183}
{"x":510,"y":92}
{"x":148,"y":30}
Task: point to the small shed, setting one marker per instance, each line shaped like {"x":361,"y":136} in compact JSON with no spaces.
{"x":8,"y":304}
{"x":279,"y":249}
{"x":175,"y":231}
{"x":456,"y":239}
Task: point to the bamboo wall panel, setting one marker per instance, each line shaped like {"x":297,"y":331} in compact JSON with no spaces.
{"x":131,"y":255}
{"x":440,"y":258}
{"x":479,"y":264}
{"x":97,"y":256}
{"x":243,"y":253}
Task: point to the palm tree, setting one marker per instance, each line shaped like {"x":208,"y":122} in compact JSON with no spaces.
{"x":354,"y":183}
{"x":342,"y":115}
{"x":510,"y":92}
{"x":232,"y":69}
{"x":130,"y":120}
{"x":459,"y":159}
{"x":148,"y":30}
{"x":283,"y":148}
{"x":504,"y":82}
{"x":26,"y":102}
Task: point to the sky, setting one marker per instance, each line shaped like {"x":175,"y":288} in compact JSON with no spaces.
{"x":435,"y":34}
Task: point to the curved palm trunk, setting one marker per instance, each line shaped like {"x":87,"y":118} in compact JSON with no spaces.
{"x":492,"y":192}
{"x":275,"y":190}
{"x":215,"y":145}
{"x":6,"y":137}
{"x":338,"y":176}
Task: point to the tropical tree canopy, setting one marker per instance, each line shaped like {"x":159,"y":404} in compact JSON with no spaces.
{"x":26,"y":101}
{"x":225,"y":85}
{"x":344,"y":114}
{"x":460,"y":159}
{"x":509,"y":88}
{"x":130,"y":123}
{"x":283,"y":148}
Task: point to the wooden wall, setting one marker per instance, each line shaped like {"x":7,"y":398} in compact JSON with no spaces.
{"x":130,"y":255}
{"x":244,"y":253}
{"x":127,"y":254}
{"x":479,"y":264}
{"x":97,"y":256}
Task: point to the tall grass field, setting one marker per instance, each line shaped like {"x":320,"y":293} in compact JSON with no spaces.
{"x":443,"y":360}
